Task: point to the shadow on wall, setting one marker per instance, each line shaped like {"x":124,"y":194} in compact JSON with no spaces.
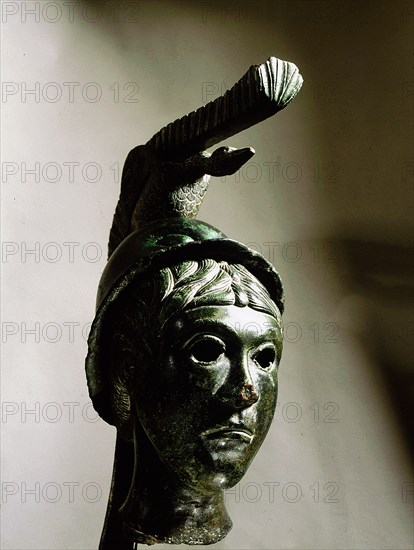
{"x":380,"y":272}
{"x":382,"y":275}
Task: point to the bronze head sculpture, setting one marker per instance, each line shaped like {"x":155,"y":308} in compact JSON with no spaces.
{"x":187,"y":338}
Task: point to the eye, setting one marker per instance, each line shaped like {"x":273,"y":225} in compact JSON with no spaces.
{"x":266,"y":358}
{"x":207,"y":349}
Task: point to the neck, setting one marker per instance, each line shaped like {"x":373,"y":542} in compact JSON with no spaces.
{"x":160,"y":509}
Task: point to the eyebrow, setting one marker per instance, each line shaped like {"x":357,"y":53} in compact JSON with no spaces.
{"x":264,"y":329}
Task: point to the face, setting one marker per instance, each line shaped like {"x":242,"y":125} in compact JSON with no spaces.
{"x":208,"y":399}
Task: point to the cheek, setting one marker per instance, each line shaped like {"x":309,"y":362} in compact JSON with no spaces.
{"x":205,"y":382}
{"x":189,"y":380}
{"x":171,"y":400}
{"x":268,"y":397}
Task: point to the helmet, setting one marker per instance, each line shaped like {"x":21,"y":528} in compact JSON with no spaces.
{"x":161,"y":244}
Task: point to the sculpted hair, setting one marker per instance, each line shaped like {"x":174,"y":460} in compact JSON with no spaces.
{"x":138,"y":317}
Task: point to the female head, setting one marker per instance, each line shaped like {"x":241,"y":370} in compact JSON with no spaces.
{"x":183,"y":357}
{"x":195,"y":352}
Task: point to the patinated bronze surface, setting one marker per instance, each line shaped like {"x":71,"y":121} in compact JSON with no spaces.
{"x":187,"y":338}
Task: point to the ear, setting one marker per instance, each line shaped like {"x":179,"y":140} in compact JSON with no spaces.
{"x":128,"y":370}
{"x":133,"y":362}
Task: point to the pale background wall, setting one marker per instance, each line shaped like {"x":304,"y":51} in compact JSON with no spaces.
{"x":335,"y":217}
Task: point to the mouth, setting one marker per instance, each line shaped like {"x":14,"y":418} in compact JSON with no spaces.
{"x":229,"y":432}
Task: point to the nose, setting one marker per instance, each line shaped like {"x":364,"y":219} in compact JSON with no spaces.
{"x":239,"y":390}
{"x":246,"y":397}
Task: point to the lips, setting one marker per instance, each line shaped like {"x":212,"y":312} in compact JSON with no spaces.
{"x":229,"y":432}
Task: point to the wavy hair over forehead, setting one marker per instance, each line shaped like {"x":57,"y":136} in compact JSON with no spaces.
{"x":139,"y":316}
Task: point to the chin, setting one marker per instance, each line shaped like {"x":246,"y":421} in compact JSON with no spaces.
{"x":218,"y":475}
{"x":228,"y":472}
{"x":218,"y":481}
